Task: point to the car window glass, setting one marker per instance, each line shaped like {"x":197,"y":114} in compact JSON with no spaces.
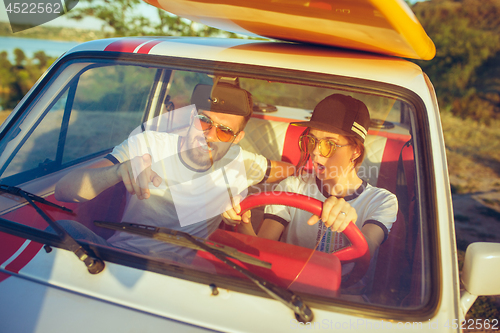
{"x":109,"y":102}
{"x":106,"y":105}
{"x":42,"y":144}
{"x":182,"y":85}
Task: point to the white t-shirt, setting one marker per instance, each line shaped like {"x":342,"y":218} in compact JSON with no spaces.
{"x":186,"y":200}
{"x":372,"y":204}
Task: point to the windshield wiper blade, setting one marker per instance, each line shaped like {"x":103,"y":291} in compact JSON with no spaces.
{"x":94,"y":265}
{"x":23,"y":194}
{"x":180,"y":238}
{"x":302,"y":312}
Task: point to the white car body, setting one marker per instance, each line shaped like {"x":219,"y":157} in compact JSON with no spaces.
{"x":54,"y":292}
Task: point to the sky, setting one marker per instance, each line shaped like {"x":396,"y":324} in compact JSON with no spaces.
{"x":91,"y":23}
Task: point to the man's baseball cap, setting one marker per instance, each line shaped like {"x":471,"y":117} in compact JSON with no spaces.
{"x":340,"y":114}
{"x":225,"y":98}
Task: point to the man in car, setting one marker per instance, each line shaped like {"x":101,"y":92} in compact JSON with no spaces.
{"x":182,"y":182}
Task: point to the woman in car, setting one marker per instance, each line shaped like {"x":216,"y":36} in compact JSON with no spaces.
{"x":334,"y":140}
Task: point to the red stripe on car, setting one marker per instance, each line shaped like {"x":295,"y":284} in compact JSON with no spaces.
{"x":128,"y":45}
{"x":24,"y":257}
{"x":148,"y":46}
{"x":10,"y":244}
{"x":3,"y":276}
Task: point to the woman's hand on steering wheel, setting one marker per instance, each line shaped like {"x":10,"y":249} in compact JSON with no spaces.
{"x":357,"y":252}
{"x":336,"y":214}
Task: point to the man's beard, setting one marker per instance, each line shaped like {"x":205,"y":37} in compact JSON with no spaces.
{"x":200,"y":154}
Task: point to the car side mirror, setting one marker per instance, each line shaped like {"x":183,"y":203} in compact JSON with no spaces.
{"x":480,"y":273}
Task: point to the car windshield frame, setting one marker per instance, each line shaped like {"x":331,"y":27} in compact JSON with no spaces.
{"x":424,"y":169}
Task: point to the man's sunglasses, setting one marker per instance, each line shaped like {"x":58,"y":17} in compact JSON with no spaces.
{"x":326,"y":147}
{"x":224,"y":133}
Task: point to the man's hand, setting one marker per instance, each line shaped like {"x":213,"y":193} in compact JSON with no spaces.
{"x":336,"y":214}
{"x":136,"y":175}
{"x":231,"y":215}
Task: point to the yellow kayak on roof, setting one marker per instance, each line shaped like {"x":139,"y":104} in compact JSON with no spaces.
{"x":380,"y":26}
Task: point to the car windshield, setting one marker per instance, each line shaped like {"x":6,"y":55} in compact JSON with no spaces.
{"x":169,"y":121}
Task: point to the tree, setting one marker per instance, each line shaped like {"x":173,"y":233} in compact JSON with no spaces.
{"x":122,"y":16}
{"x":172,"y":25}
{"x":42,"y":58}
{"x":20,"y":57}
{"x":6,"y":79}
{"x":467,"y":38}
{"x":16,"y":79}
{"x":118,"y":14}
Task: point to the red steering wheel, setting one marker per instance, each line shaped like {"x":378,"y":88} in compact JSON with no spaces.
{"x":358,"y":252}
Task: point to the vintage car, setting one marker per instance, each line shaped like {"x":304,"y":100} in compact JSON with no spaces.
{"x":101,"y":93}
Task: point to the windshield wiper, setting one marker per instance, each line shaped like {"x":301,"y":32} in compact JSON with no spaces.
{"x":302,"y":312}
{"x":180,"y":238}
{"x":94,"y":265}
{"x":23,"y":194}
